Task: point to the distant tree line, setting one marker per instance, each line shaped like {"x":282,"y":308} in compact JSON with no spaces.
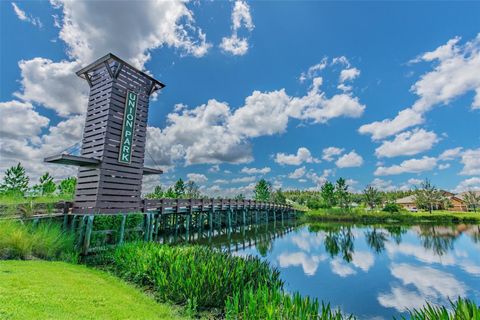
{"x":190,"y":190}
{"x":15,"y":183}
{"x":180,"y":190}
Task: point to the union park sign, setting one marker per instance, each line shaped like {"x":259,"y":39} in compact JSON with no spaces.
{"x":125,"y":154}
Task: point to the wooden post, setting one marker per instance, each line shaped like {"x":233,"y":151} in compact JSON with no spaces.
{"x":175,"y":222}
{"x":189,"y":219}
{"x":81,"y":233}
{"x":210,"y":223}
{"x":146,"y":224}
{"x":121,"y":237}
{"x":88,"y":234}
{"x":73,"y":224}
{"x":152,"y":226}
{"x":156,"y":227}
{"x":229,"y":221}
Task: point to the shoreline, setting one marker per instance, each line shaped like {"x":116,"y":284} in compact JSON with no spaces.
{"x":335,"y":215}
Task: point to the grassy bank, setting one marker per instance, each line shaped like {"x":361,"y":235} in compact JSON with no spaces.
{"x":58,"y":290}
{"x":374,"y":216}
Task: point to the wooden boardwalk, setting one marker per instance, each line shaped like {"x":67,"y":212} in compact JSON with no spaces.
{"x":178,"y":220}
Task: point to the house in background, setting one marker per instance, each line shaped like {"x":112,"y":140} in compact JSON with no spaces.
{"x":407,"y":202}
{"x":457,"y":202}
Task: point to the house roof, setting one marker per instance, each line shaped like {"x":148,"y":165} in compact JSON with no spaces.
{"x":447,"y":193}
{"x":407,"y":199}
{"x":459,"y":196}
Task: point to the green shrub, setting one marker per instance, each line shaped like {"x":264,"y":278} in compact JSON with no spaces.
{"x":273,"y":303}
{"x":314,"y":203}
{"x":391,"y":207}
{"x":45,"y":241}
{"x":191,"y":274}
{"x":462,"y":309}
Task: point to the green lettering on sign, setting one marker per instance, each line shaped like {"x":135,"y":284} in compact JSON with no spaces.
{"x":125,"y":154}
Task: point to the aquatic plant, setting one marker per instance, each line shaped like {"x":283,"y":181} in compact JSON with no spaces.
{"x":191,"y":274}
{"x":461,"y":309}
{"x":272,"y":303}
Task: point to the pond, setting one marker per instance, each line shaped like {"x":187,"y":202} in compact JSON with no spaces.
{"x":372,"y":271}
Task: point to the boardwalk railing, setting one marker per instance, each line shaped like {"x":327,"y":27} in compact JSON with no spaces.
{"x":169,"y":220}
{"x":188,"y":205}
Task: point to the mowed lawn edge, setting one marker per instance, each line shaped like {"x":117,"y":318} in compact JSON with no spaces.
{"x":58,"y":290}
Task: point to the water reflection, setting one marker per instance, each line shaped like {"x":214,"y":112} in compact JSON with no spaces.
{"x":373,"y":270}
{"x":262,"y":237}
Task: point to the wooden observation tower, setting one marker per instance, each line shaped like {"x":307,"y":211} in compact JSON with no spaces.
{"x":111,"y":162}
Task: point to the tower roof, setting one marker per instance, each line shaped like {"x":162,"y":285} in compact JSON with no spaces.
{"x":83,"y":73}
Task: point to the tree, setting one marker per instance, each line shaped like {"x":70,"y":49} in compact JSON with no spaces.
{"x":262,"y":190}
{"x":156,"y":194}
{"x":192,"y":190}
{"x":428,"y":196}
{"x":279,"y":197}
{"x":46,"y":185}
{"x":67,"y":186}
{"x":170,"y":193}
{"x":341,"y":193}
{"x":179,"y":188}
{"x":15,"y":181}
{"x":472,"y":200}
{"x":372,"y":196}
{"x":327,"y":193}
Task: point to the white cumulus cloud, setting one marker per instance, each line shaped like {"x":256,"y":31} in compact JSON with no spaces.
{"x":349,"y":74}
{"x":455,"y":74}
{"x":408,"y":166}
{"x":89,"y":28}
{"x":329,"y":154}
{"x":264,"y":170}
{"x":297,"y":173}
{"x":349,"y":160}
{"x":471,"y":162}
{"x":470,"y":184}
{"x":197,"y":177}
{"x":241,"y":17}
{"x":303,"y":155}
{"x":407,"y":143}
{"x":22,"y":15}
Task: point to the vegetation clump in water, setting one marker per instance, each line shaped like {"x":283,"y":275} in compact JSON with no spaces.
{"x":202,"y":278}
{"x":462,"y":309}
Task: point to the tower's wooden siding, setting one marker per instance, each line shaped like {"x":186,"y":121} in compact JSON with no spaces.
{"x":113,"y":186}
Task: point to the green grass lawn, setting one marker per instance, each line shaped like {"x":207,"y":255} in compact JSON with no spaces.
{"x":362,"y":215}
{"x":58,"y":290}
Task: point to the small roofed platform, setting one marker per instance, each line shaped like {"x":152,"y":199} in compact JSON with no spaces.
{"x":79,"y":161}
{"x":150,"y":171}
{"x":72,"y":160}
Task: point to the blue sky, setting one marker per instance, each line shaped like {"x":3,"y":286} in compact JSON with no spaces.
{"x":240,"y":97}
